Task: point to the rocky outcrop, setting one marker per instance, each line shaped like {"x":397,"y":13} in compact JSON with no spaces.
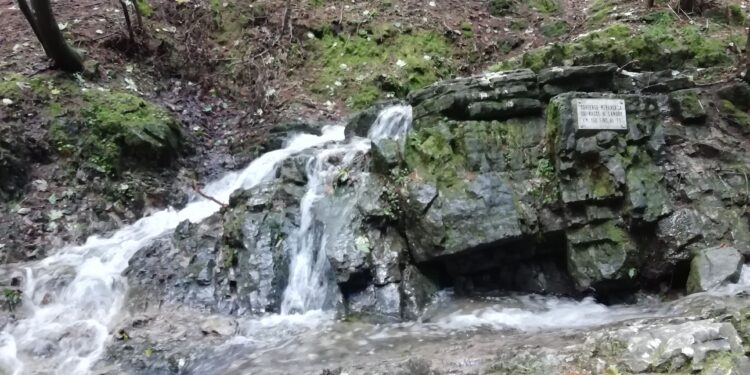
{"x":495,"y":188}
{"x":714,"y":267}
{"x":496,"y":176}
{"x":234,"y":262}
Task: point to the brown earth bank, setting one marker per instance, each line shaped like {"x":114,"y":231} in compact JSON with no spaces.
{"x":227,"y":73}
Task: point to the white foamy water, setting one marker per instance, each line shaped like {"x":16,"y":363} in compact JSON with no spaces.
{"x":73,"y":297}
{"x":310,"y":284}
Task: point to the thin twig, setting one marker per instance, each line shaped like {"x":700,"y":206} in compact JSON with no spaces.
{"x":673,"y":11}
{"x":620,"y":69}
{"x":204,"y":195}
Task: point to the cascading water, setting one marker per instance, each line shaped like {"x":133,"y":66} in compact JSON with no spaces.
{"x":310,"y":283}
{"x":73,"y":297}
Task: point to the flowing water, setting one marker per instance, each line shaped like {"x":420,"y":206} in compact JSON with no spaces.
{"x":73,"y":297}
{"x":73,"y":300}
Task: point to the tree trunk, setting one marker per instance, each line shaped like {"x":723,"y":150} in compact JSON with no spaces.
{"x":45,"y":28}
{"x":649,"y":3}
{"x":126,"y":13}
{"x":24,"y":6}
{"x":747,"y":56}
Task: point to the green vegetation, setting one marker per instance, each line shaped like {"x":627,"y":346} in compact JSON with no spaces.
{"x":364,"y":68}
{"x":99,"y":128}
{"x":545,"y":6}
{"x":431,"y":153}
{"x":599,"y":11}
{"x":144,"y":8}
{"x":656,"y":46}
{"x":12,"y":298}
{"x":734,"y":115}
{"x":723,"y":362}
{"x":731,"y":14}
{"x":555,"y":28}
{"x":110,"y":127}
{"x":501,"y":7}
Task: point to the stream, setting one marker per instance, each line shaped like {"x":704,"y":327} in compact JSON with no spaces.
{"x":73,"y":300}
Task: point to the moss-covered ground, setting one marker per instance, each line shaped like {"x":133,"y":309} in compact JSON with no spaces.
{"x":661,"y":43}
{"x":92,"y":126}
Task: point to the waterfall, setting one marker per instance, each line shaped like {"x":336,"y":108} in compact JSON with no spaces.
{"x":73,"y":298}
{"x":310,"y":281}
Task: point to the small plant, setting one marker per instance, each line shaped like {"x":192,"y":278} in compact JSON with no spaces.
{"x":545,"y":169}
{"x":12,"y":298}
{"x":343,"y":178}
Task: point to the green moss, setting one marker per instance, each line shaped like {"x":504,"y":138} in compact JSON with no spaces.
{"x":110,"y":127}
{"x":554,"y":29}
{"x":230,"y":19}
{"x":601,"y":185}
{"x":731,"y":14}
{"x":548,"y":191}
{"x":436,"y":152}
{"x":654,"y":47}
{"x":662,"y":17}
{"x":545,"y":6}
{"x":38,"y":88}
{"x":9,"y":86}
{"x":688,"y":100}
{"x":686,"y":105}
{"x":600,"y":11}
{"x":518,"y":24}
{"x":144,"y":8}
{"x":724,"y":362}
{"x":501,"y":7}
{"x":362,"y":69}
{"x":734,"y":115}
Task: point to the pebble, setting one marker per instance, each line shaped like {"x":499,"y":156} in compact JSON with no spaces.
{"x":7,"y":101}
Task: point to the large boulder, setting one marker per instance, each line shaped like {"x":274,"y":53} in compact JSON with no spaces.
{"x":487,"y":181}
{"x":714,"y":267}
{"x":177,"y":270}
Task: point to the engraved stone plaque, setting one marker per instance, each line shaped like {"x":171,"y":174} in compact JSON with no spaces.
{"x":600,"y":114}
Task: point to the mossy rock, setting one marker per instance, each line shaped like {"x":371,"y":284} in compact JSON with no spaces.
{"x":737,"y":93}
{"x":735,"y":116}
{"x":113,"y":129}
{"x":686,"y":106}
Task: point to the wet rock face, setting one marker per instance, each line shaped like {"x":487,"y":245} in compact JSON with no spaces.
{"x":714,"y":267}
{"x":178,"y":270}
{"x":236,"y":262}
{"x":487,"y":169}
{"x":496,"y":187}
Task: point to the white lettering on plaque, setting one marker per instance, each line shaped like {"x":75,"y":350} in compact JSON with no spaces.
{"x":601,"y":114}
